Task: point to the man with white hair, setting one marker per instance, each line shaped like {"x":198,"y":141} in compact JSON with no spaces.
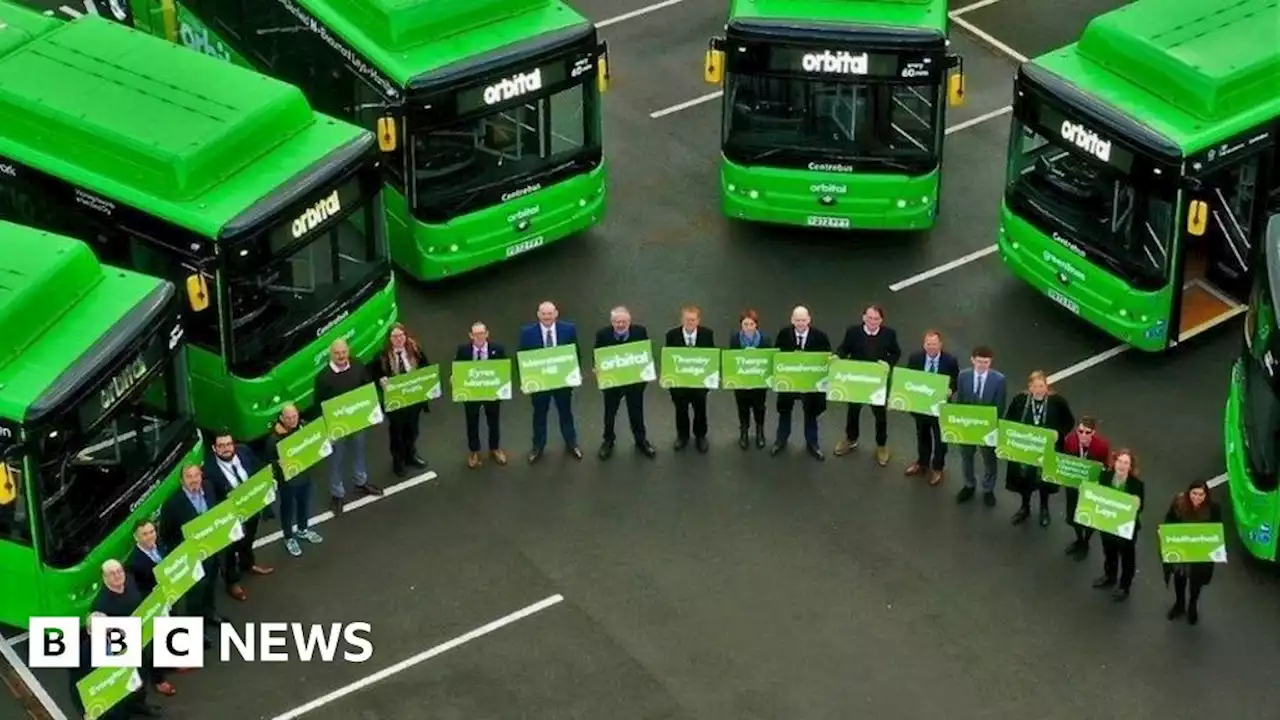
{"x":119,"y":597}
{"x":620,"y":332}
{"x":801,"y":336}
{"x":550,"y":331}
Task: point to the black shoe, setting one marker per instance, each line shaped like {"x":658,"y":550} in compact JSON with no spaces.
{"x":680,"y":444}
{"x":1177,"y":611}
{"x":816,"y":453}
{"x":1073,"y":548}
{"x":744,"y":439}
{"x":702,"y":444}
{"x":1193,"y":616}
{"x":1104,"y":582}
{"x":335,"y":507}
{"x":535,"y":455}
{"x":777,"y":448}
{"x":398,"y":470}
{"x":989,"y":499}
{"x":760,"y":443}
{"x":416,"y":460}
{"x":369,"y":489}
{"x":964,"y":496}
{"x":1120,"y":595}
{"x":1020,"y":516}
{"x":1044,"y":517}
{"x":606,"y":450}
{"x":146,"y":710}
{"x":647,"y":449}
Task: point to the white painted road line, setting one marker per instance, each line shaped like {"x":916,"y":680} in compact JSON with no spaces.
{"x":638,"y":13}
{"x":1220,"y":480}
{"x":1087,"y":363}
{"x":16,"y":640}
{"x":986,"y":37}
{"x":945,"y":267}
{"x":388,"y":491}
{"x":421,"y":658}
{"x":980,"y":119}
{"x":971,"y":7}
{"x":686,"y":104}
{"x":29,"y":679}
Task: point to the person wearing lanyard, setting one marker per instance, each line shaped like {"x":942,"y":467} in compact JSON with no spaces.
{"x":751,"y":403}
{"x":1041,"y":407}
{"x":1086,"y":442}
{"x":690,"y":333}
{"x":402,"y":355}
{"x":1117,"y":552}
{"x":480,"y":349}
{"x":230,"y":466}
{"x":931,"y":452}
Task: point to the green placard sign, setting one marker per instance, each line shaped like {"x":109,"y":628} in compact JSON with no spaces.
{"x":1026,"y":444}
{"x":750,"y":369}
{"x":179,"y":571}
{"x":153,"y":606}
{"x":304,"y":448}
{"x":626,"y":364}
{"x":801,"y":372}
{"x":858,"y":381}
{"x":549,"y":369}
{"x":969,"y":424}
{"x":104,"y":688}
{"x":1193,"y":543}
{"x":352,"y":411}
{"x":481,"y":380}
{"x":412,"y":388}
{"x":690,"y":367}
{"x":1070,"y":470}
{"x":212,"y":531}
{"x":1107,"y":510}
{"x":917,"y":391}
{"x":253,"y":495}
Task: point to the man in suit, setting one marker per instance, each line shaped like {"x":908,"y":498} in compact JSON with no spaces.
{"x":870,"y":341}
{"x":619,"y":332}
{"x":1086,"y":442}
{"x":690,"y":333}
{"x":801,"y":336}
{"x":481,"y":349}
{"x":194,"y":498}
{"x":146,"y":555}
{"x":980,"y":385}
{"x":549,"y":331}
{"x":230,"y":465}
{"x":931,"y":452}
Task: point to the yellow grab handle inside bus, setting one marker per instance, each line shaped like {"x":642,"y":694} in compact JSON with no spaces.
{"x":713,"y":66}
{"x":197,"y":292}
{"x":955,"y":89}
{"x":1197,"y":217}
{"x":8,"y":485}
{"x":388,"y":138}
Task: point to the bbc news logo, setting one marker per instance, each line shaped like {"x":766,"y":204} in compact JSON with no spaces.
{"x":178,"y":642}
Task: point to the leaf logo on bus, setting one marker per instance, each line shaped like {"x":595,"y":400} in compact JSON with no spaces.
{"x":513,"y":87}
{"x":321,"y":211}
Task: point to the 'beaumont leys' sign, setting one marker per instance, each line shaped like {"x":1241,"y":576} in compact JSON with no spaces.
{"x":1086,"y":140}
{"x":840,"y":63}
{"x":513,"y":87}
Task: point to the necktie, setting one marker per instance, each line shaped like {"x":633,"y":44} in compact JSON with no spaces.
{"x":154,"y":554}
{"x":932,"y":365}
{"x":404,"y":361}
{"x":689,"y":340}
{"x":800,"y":341}
{"x":982,"y":383}
{"x":546,"y":338}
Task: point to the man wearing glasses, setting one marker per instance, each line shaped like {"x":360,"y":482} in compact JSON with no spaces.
{"x":1087,"y":443}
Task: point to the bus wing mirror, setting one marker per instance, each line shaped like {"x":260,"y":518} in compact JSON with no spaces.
{"x":388,"y":137}
{"x":197,"y":292}
{"x":713,"y":63}
{"x":955,"y":82}
{"x":602,"y":67}
{"x":169,"y":16}
{"x":1197,"y":217}
{"x":8,"y":484}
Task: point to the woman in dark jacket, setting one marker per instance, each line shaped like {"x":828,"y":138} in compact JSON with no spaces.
{"x":295,"y":493}
{"x":751,"y":403}
{"x":1120,"y":553}
{"x":1196,"y":505}
{"x":402,"y":355}
{"x":1041,"y":407}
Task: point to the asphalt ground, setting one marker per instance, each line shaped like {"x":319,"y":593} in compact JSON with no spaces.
{"x":738,"y":587}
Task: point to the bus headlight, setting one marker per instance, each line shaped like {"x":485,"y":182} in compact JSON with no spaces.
{"x":731,"y":187}
{"x":582,"y":202}
{"x":924,"y":200}
{"x":753,"y":194}
{"x":901,"y":203}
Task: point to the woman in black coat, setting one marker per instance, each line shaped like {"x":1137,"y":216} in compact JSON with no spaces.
{"x":1041,"y":407}
{"x":751,"y":403}
{"x":402,"y":355}
{"x":1196,"y":505}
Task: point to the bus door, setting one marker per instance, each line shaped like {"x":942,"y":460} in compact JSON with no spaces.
{"x":19,"y":563}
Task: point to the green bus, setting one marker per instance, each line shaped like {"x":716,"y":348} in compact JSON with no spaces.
{"x":1139,"y":166}
{"x":834,"y":113}
{"x":488,"y":111}
{"x":96,"y":418}
{"x":221,"y":180}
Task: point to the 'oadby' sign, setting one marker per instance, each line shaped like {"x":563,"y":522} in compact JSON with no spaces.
{"x":1086,"y":139}
{"x":838,"y":63}
{"x":513,"y":87}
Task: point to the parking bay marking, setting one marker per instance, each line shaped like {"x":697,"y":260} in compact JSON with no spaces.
{"x":986,"y":37}
{"x":639,"y":12}
{"x":422,"y":657}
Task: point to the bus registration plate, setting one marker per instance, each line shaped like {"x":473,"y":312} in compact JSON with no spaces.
{"x":1065,"y":301}
{"x":824,"y":221}
{"x":524,"y":246}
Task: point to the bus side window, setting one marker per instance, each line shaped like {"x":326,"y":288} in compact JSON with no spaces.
{"x":297,"y":55}
{"x":15,"y":526}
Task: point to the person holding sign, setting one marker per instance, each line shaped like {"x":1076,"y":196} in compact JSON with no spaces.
{"x":146,"y":555}
{"x":195,"y":498}
{"x":549,"y":331}
{"x":1086,"y":442}
{"x":1194,"y":506}
{"x":230,"y":466}
{"x":931,"y":452}
{"x":801,"y":336}
{"x":690,"y":333}
{"x":120,"y":597}
{"x":402,"y":355}
{"x":342,"y":375}
{"x":295,"y":492}
{"x":871,"y":341}
{"x":481,"y":350}
{"x":980,"y":384}
{"x":750,"y":402}
{"x":1039,"y":407}
{"x":1117,"y":551}
{"x":621,"y":331}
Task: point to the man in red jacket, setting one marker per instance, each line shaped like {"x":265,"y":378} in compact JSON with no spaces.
{"x":1085,"y":442}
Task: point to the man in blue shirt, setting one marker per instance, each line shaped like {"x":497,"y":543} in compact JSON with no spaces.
{"x":196,"y":497}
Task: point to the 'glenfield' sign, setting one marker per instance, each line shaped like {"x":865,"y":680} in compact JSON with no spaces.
{"x":513,"y":87}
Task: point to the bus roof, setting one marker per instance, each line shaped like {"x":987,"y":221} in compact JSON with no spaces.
{"x":922,"y":14}
{"x":184,"y":136}
{"x":408,"y":38}
{"x":1196,"y":72}
{"x":56,"y":302}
